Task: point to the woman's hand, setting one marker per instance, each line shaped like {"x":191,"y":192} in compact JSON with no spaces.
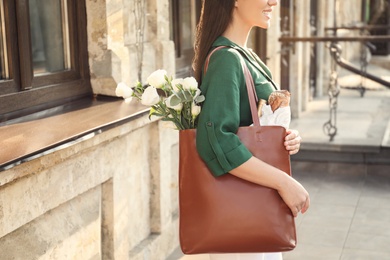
{"x":292,"y":141}
{"x":291,"y":191}
{"x":295,"y":196}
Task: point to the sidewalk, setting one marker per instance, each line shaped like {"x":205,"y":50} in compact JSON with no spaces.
{"x":361,"y":121}
{"x":348,"y":180}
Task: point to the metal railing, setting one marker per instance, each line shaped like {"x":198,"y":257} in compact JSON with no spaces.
{"x":330,"y":127}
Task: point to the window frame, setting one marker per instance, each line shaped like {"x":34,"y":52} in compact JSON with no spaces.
{"x":25,"y":94}
{"x":10,"y":85}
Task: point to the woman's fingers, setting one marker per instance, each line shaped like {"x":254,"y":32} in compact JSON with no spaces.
{"x":291,"y":134}
{"x":306,"y":205}
{"x":295,"y":196}
{"x":301,"y":208}
{"x":292,"y":141}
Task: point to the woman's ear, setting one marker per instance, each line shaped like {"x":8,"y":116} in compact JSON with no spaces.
{"x":236,"y":3}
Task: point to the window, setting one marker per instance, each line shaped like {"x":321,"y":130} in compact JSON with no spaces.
{"x":184,"y":18}
{"x":43,"y":55}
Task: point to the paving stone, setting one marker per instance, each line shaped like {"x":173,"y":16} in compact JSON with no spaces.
{"x":353,"y":254}
{"x":303,"y":252}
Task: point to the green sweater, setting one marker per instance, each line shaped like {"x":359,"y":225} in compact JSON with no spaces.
{"x":227,"y":106}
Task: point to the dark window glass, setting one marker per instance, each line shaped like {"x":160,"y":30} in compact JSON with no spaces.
{"x":49,"y":36}
{"x":3,"y":52}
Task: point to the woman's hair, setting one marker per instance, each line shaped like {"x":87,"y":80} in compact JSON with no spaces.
{"x":215,"y":17}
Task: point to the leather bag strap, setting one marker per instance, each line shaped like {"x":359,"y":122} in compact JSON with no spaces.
{"x":250,"y":86}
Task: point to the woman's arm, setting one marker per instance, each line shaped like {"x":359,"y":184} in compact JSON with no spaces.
{"x":291,"y":191}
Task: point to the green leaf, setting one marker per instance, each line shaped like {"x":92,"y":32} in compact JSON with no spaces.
{"x":166,"y":78}
{"x":200,"y":99}
{"x":187,"y":97}
{"x":180,"y":95}
{"x":175,"y":100}
{"x":154,"y":112}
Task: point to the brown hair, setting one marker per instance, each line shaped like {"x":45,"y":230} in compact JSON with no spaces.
{"x":215,"y":17}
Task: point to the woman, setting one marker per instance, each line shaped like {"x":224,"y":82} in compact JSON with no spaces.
{"x":228,"y":23}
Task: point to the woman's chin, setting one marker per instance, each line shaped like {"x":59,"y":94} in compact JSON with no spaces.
{"x":265,"y":24}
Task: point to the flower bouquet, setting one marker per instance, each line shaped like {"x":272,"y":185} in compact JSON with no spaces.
{"x":173,"y":100}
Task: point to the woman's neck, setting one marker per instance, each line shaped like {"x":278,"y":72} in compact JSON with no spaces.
{"x":237,"y":34}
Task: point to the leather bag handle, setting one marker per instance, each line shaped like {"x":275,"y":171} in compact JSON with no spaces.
{"x":250,"y":86}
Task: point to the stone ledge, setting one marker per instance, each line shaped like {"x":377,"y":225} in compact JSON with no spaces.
{"x":24,"y":141}
{"x":381,"y":156}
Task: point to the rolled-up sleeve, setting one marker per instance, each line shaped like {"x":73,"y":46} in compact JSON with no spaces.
{"x":224,"y":87}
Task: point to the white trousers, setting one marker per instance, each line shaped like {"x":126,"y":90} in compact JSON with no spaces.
{"x":257,"y":256}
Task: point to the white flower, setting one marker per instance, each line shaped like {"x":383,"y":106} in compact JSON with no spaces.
{"x":128,"y":100}
{"x":176,"y":82}
{"x":195,"y":110}
{"x":177,"y":107}
{"x":150,"y":97}
{"x":122,"y":90}
{"x":190,"y":83}
{"x":157,"y":78}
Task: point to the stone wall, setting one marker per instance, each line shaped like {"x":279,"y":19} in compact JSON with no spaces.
{"x":127,"y":41}
{"x":113,"y":196}
{"x":110,"y":197}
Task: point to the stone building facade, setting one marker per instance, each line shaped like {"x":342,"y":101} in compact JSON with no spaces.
{"x":112,"y":194}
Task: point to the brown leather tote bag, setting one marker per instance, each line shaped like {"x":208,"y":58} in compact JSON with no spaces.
{"x":227,"y":214}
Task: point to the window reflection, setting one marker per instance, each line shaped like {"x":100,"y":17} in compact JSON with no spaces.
{"x":187,"y":26}
{"x":3,"y":51}
{"x":49,"y":35}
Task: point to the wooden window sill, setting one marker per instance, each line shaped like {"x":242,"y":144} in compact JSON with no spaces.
{"x":39,"y":134}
